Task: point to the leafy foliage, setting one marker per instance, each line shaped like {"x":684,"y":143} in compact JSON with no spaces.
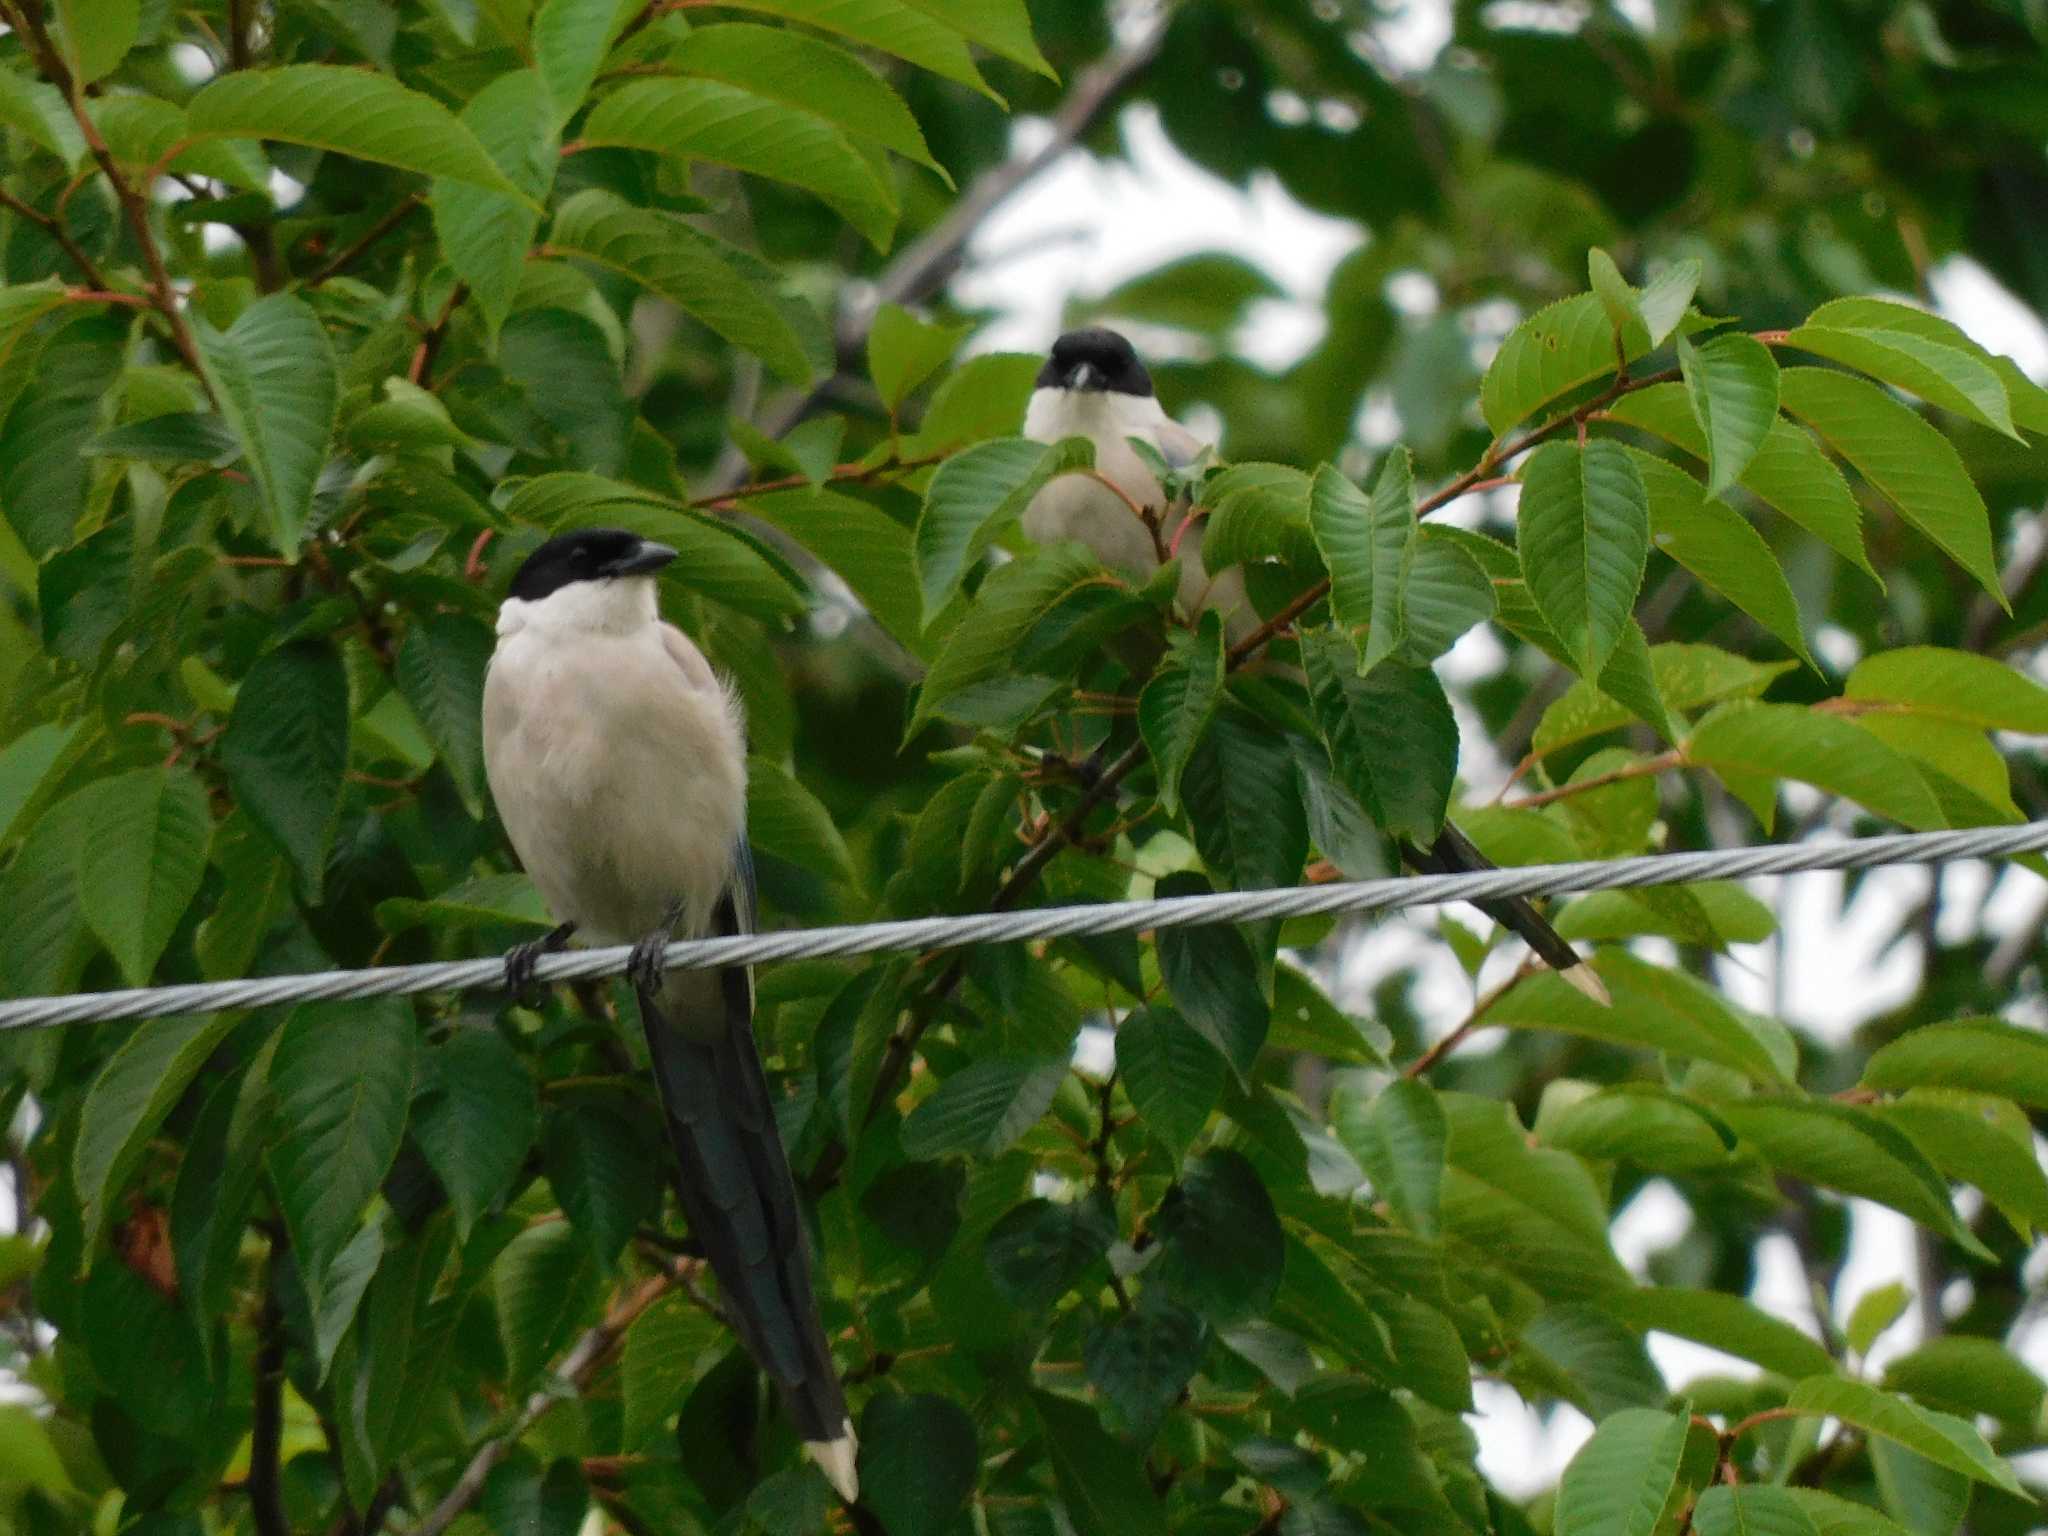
{"x":302,"y":351}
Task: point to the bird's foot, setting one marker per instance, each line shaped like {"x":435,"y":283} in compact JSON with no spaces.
{"x":644,"y":966}
{"x":520,"y":962}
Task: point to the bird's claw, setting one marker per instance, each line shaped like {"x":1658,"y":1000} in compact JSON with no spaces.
{"x":644,"y":966}
{"x":520,"y":962}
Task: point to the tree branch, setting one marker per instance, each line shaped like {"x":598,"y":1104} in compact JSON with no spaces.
{"x":55,"y":228}
{"x":266,"y":1428}
{"x":1472,"y":1020}
{"x":571,"y":1378}
{"x":132,"y":203}
{"x":353,"y":253}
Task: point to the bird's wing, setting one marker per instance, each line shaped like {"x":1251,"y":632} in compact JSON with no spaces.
{"x":1177,"y":445}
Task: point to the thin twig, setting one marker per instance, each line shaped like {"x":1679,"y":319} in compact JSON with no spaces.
{"x":430,"y":344}
{"x":1641,"y":768}
{"x":55,"y":228}
{"x":572,"y":1378}
{"x":352,"y":253}
{"x":1472,"y":1020}
{"x":266,"y":1427}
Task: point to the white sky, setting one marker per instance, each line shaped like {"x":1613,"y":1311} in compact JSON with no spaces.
{"x":1089,"y":224}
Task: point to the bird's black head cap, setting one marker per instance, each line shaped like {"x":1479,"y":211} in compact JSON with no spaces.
{"x":1095,"y":359}
{"x":587,"y":554}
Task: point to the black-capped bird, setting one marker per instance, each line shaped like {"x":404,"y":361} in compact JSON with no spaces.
{"x":1094,"y":385}
{"x":617,"y":759}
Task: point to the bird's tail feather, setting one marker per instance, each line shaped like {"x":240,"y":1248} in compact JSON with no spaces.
{"x":741,"y":1199}
{"x":1453,"y":853}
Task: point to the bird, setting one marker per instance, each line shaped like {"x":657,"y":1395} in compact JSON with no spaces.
{"x":1094,"y":385}
{"x":616,"y":757}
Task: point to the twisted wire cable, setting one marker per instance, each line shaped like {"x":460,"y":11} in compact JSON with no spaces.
{"x":932,"y":933}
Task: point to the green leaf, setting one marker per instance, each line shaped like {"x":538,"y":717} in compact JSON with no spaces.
{"x":1583,"y":533}
{"x":1102,"y":1484}
{"x":602,"y":1172}
{"x":1618,"y":1482}
{"x":1981,"y":1055}
{"x":1981,"y":1140}
{"x":1638,"y":1123}
{"x":27,"y":1458}
{"x":355,"y":112}
{"x":1655,"y":1008}
{"x":788,"y":821}
{"x":44,"y":475}
{"x":1939,"y":1437}
{"x":1732,"y":382}
{"x":1717,"y":544}
{"x":487,"y":900}
{"x":140,"y":1084}
{"x":486,"y":235}
{"x":918,"y":1460}
{"x":342,"y":1077}
{"x":274,"y":373}
{"x":95,"y":35}
{"x":440,"y":671}
{"x":1040,"y":1250}
{"x":1211,"y":974}
{"x":664,"y":1348}
{"x":1909,"y":462}
{"x":1179,"y":701}
{"x":1790,"y":474}
{"x":974,"y":498}
{"x":1391,"y":736}
{"x":1913,"y":350}
{"x":39,"y":111}
{"x":1221,"y":1246}
{"x":1667,"y":296}
{"x":1241,"y":803}
{"x":141,"y":868}
{"x":570,"y":40}
{"x":1731,"y":915}
{"x":888,"y":26}
{"x":1874,"y":1313}
{"x":983,"y":647}
{"x":1686,"y":677}
{"x":1755,"y":1509}
{"x":1140,"y":1361}
{"x":1722,"y":1322}
{"x":1613,"y":291}
{"x":1952,"y":685}
{"x":804,"y":72}
{"x":711,"y":120}
{"x":475,"y":1119}
{"x":1845,"y":1147}
{"x":1835,"y":1516}
{"x":1399,"y":1137}
{"x":285,"y":749}
{"x":865,"y":547}
{"x":982,"y":1108}
{"x":1173,"y":1075}
{"x":28,"y":765}
{"x":1960,"y":1374}
{"x":1786,"y":741}
{"x":1001,"y":26}
{"x":1361,"y":540}
{"x":543,"y":1281}
{"x":1533,"y":1211}
{"x":1605,"y":1366}
{"x":1549,"y":355}
{"x":1443,"y":593}
{"x":904,"y":351}
{"x":666,"y":256}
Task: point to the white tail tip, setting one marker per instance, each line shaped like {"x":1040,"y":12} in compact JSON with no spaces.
{"x":1588,"y":981}
{"x":835,"y":1458}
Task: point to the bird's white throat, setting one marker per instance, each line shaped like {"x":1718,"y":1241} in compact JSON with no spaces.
{"x":616,"y":605}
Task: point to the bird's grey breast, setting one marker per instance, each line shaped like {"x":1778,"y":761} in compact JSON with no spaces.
{"x":620,"y":778}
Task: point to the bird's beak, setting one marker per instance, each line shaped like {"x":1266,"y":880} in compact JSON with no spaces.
{"x":646,"y":558}
{"x":1082,"y":376}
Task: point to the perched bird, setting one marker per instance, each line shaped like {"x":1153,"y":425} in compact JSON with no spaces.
{"x":1093,"y":385}
{"x":617,"y":759}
